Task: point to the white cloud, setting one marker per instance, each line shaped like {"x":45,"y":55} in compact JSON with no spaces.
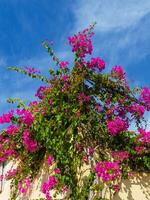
{"x":110,"y":14}
{"x":121,"y":29}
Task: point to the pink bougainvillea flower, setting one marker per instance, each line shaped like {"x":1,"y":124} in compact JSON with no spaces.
{"x":10,"y":173}
{"x":33,"y":103}
{"x":116,"y":126}
{"x":30,"y":70}
{"x":40,"y":92}
{"x":6,"y":118}
{"x":12,"y":129}
{"x":65,"y":78}
{"x":50,"y":160}
{"x":26,"y":116}
{"x":24,"y":185}
{"x":82,"y":97}
{"x":144,"y":136}
{"x":98,"y":108}
{"x":116,"y":188}
{"x":30,"y":145}
{"x":91,"y":151}
{"x":108,"y":171}
{"x":118,"y":72}
{"x":145,"y":97}
{"x":63,"y":64}
{"x":96,"y":63}
{"x":49,"y":185}
{"x":120,"y":155}
{"x":57,"y":171}
{"x":140,"y":149}
{"x":81,"y":43}
{"x":136,"y":109}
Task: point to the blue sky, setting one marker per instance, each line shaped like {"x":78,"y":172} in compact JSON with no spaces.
{"x":121,"y":38}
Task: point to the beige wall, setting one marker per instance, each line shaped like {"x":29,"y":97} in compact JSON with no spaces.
{"x":137,"y":188}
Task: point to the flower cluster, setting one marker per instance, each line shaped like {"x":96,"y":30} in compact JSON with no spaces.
{"x":30,"y":145}
{"x":30,"y":70}
{"x":6,"y":118}
{"x":136,"y":109}
{"x":10,"y":173}
{"x":96,"y":63}
{"x":6,"y":148}
{"x":116,"y":126}
{"x":144,"y":136}
{"x":49,"y":185}
{"x":24,"y":185}
{"x":145,"y":97}
{"x":50,"y":160}
{"x":40,"y":92}
{"x":63,"y":64}
{"x":118,"y":72}
{"x":140,"y":149}
{"x":108,"y":171}
{"x":82,"y":97}
{"x":81,"y":43}
{"x":26,"y":116}
{"x":12,"y":129}
{"x":120,"y":155}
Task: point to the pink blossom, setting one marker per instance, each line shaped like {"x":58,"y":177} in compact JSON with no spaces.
{"x":26,"y":116}
{"x":116,"y":126}
{"x":12,"y":130}
{"x":144,"y":136}
{"x":24,"y":185}
{"x":137,"y":109}
{"x":65,"y":78}
{"x":65,"y":86}
{"x":63,"y":64}
{"x":30,"y":145}
{"x":98,"y":108}
{"x":81,"y":43}
{"x":40,"y":92}
{"x":108,"y":171}
{"x":145,"y":97}
{"x":96,"y":63}
{"x":82,"y":97}
{"x":1,"y":177}
{"x":139,"y":149}
{"x":6,"y":118}
{"x":91,"y":151}
{"x":118,"y":72}
{"x":116,"y":188}
{"x":30,"y":70}
{"x":120,"y":155}
{"x":65,"y":189}
{"x":11,"y":173}
{"x":34,"y":103}
{"x":50,"y":160}
{"x":131,"y":174}
{"x":57,"y":171}
{"x":49,"y":185}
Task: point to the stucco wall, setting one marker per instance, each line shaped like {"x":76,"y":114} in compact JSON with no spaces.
{"x":137,"y":188}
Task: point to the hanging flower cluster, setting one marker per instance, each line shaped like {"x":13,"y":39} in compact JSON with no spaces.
{"x":108,"y":171}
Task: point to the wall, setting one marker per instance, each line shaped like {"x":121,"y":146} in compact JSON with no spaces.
{"x":137,"y":188}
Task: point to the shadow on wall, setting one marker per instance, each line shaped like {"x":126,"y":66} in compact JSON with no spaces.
{"x":137,"y":188}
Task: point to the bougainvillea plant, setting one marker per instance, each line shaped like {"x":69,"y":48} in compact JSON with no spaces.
{"x":82,"y":118}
